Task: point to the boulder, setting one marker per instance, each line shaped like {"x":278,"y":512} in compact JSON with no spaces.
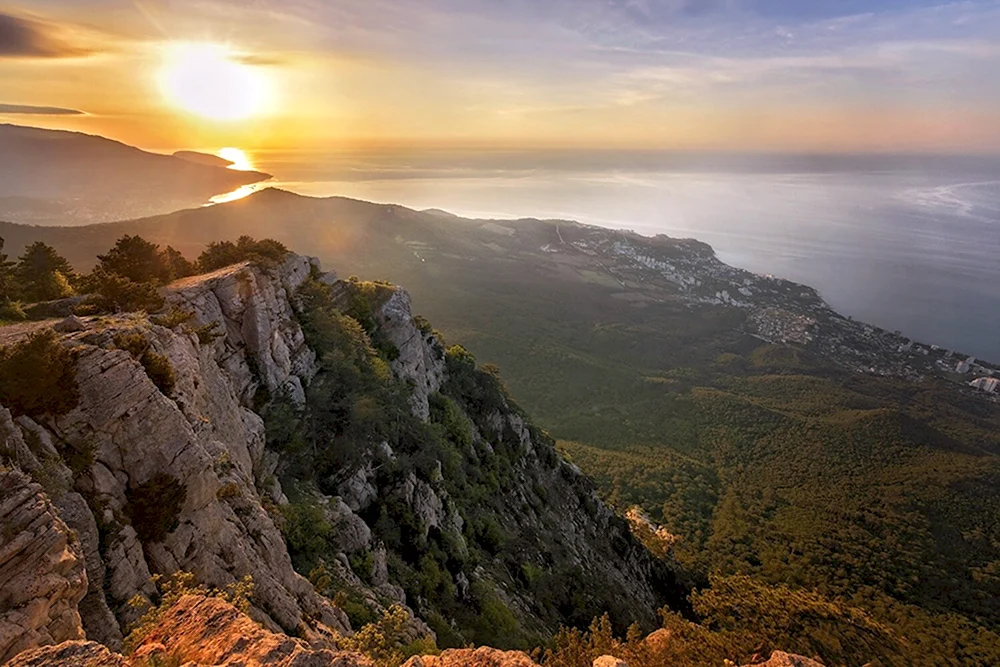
{"x":609,"y":661}
{"x":69,"y":654}
{"x":480,"y":657}
{"x":782,"y":659}
{"x":71,"y":324}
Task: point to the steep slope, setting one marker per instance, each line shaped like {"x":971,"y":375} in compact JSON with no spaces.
{"x":165,"y":464}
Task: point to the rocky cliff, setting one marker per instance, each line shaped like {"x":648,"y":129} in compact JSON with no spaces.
{"x":165,"y":464}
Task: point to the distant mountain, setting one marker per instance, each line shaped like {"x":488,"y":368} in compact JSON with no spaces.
{"x":203,"y":158}
{"x":69,"y":178}
{"x":769,"y":435}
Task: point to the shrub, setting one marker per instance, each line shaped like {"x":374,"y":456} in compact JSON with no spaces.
{"x":307,"y":533}
{"x":207,"y":334}
{"x":38,"y":376}
{"x":12,"y":311}
{"x":383,"y":640}
{"x":157,"y":366}
{"x":173,"y":318}
{"x":154,"y":506}
{"x":229,"y":490}
{"x":159,"y":370}
{"x":114,"y":293}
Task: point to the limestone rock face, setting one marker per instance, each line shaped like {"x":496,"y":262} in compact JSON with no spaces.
{"x":421,"y":357}
{"x":480,"y":657}
{"x":97,"y":617}
{"x":203,"y":437}
{"x":42,"y":571}
{"x":782,"y":659}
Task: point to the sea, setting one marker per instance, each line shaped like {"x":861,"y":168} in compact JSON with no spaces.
{"x":908,"y":243}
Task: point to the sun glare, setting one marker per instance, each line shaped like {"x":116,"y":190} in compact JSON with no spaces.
{"x":240,"y":160}
{"x":208,"y":80}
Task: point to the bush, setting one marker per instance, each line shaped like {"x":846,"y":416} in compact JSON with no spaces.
{"x":173,"y":318}
{"x":307,"y":533}
{"x":159,"y":370}
{"x":38,"y":376}
{"x":12,"y":311}
{"x":154,"y":506}
{"x":157,"y":366}
{"x":114,"y":293}
{"x":383,"y":640}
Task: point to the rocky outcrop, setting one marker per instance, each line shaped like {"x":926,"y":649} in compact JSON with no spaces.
{"x":480,"y":657}
{"x":209,"y":631}
{"x":201,"y":439}
{"x":69,"y":654}
{"x":782,"y":659}
{"x":42,"y":571}
{"x":197,"y":632}
{"x":421,"y":356}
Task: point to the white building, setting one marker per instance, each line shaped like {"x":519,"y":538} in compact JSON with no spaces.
{"x":964,"y":366}
{"x":988,"y":385}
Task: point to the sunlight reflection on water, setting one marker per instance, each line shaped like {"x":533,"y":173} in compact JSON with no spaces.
{"x":238,"y":193}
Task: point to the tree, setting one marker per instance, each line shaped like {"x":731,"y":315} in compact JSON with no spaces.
{"x":219,"y":254}
{"x":226,"y":253}
{"x":43,"y":273}
{"x":7,"y":282}
{"x":114,"y":293}
{"x":138,"y":260}
{"x":178,"y":265}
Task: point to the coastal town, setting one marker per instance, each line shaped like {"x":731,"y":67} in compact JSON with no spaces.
{"x":777,"y":310}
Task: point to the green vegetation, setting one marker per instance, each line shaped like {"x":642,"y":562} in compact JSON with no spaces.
{"x":156,"y":365}
{"x":154,"y":506}
{"x":127,"y":278}
{"x":42,"y":274}
{"x":38,"y":376}
{"x":220,"y":254}
{"x":822,"y":495}
{"x":140,"y":261}
{"x":382,"y":640}
{"x":354,"y":405}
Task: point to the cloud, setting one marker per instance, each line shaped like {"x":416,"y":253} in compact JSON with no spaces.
{"x":38,"y":111}
{"x":27,"y":38}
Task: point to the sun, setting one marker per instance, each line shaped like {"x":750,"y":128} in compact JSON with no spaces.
{"x":209,"y":80}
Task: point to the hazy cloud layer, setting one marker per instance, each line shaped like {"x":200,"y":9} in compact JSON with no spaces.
{"x":29,"y":109}
{"x":27,"y":38}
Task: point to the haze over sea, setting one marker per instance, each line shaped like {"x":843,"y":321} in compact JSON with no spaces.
{"x":908,"y":243}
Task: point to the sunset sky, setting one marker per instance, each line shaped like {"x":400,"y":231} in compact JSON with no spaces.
{"x":837,"y":75}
